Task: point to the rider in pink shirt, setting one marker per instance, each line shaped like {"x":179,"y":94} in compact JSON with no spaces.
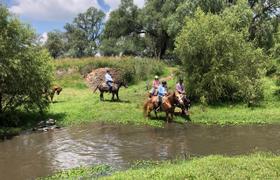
{"x":180,"y":87}
{"x":156,"y":84}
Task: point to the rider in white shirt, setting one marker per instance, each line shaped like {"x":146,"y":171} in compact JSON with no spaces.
{"x":108,"y":79}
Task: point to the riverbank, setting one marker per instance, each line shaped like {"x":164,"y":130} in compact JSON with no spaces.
{"x":256,"y":166}
{"x":78,"y":104}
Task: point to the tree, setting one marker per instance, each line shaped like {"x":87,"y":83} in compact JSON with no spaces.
{"x":218,"y":63}
{"x":25,"y":70}
{"x":56,"y":43}
{"x":84,"y":33}
{"x":265,"y":22}
{"x":123,"y":30}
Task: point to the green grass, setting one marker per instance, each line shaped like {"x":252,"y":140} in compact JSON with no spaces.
{"x":256,"y":166}
{"x":78,"y":104}
{"x":77,"y":173}
{"x":268,"y":112}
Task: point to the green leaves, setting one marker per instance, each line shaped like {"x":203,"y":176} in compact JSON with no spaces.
{"x":25,"y":70}
{"x":219,"y":64}
{"x":84,"y":33}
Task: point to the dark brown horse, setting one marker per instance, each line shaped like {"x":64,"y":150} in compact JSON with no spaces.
{"x":168,"y":105}
{"x":115,"y":89}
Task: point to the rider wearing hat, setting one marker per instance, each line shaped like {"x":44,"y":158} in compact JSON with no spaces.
{"x":156,"y":84}
{"x":162,"y":91}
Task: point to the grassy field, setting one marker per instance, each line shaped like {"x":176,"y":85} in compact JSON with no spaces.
{"x":78,"y":104}
{"x":256,"y":166}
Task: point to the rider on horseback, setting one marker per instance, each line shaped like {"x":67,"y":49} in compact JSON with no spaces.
{"x":162,"y":91}
{"x":181,"y":90}
{"x":156,"y":84}
{"x":180,"y":87}
{"x":109,"y":79}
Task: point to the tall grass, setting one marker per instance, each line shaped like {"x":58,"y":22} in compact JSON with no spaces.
{"x":133,"y":69}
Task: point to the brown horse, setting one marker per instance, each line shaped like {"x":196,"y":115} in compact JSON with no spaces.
{"x":55,"y":89}
{"x":168,"y":105}
{"x":115,"y":90}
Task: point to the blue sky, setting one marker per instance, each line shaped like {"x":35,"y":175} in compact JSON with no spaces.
{"x":47,"y":15}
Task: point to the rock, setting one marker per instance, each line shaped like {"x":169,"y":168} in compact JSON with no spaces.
{"x":44,"y":126}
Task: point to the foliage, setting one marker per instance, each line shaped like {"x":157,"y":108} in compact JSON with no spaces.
{"x":134,"y":69}
{"x":83,"y":35}
{"x":25,"y":70}
{"x":265,"y":22}
{"x":56,"y":43}
{"x":122,"y":31}
{"x":218,"y":63}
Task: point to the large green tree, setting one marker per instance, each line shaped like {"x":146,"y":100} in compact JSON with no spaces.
{"x":56,"y":43}
{"x":264,"y":22}
{"x":83,"y":34}
{"x":25,"y":70}
{"x":218,"y":63}
{"x":122,"y":31}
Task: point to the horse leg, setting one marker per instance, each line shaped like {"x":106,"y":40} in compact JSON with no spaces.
{"x":167,"y":117}
{"x":113,"y":96}
{"x":156,"y":113}
{"x":51,"y":96}
{"x":117,"y":94}
{"x":101,"y":96}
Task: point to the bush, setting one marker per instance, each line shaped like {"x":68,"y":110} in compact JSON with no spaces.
{"x":25,"y":70}
{"x":217,"y":61}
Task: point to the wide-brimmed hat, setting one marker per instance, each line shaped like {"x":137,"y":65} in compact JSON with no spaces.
{"x":156,"y":77}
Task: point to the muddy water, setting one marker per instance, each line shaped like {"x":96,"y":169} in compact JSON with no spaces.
{"x":40,"y":154}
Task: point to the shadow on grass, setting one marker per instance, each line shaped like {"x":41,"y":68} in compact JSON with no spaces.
{"x":56,"y":102}
{"x":117,"y":101}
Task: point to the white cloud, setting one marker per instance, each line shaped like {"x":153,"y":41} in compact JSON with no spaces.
{"x":43,"y":38}
{"x":51,"y":10}
{"x":139,"y":3}
{"x":115,"y":3}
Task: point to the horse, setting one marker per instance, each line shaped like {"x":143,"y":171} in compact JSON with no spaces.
{"x":55,"y":89}
{"x":186,"y":104}
{"x":168,"y":105}
{"x":103,"y":87}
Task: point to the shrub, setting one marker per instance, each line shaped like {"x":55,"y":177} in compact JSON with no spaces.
{"x":25,"y":70}
{"x":217,"y":61}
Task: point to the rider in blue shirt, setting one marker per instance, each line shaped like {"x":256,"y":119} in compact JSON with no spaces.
{"x":162,"y":91}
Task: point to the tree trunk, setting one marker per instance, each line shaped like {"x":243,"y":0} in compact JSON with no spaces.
{"x":1,"y":106}
{"x":163,"y":45}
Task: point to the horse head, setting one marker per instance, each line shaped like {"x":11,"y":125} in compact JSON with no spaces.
{"x":58,"y":90}
{"x":179,"y":99}
{"x":123,"y":83}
